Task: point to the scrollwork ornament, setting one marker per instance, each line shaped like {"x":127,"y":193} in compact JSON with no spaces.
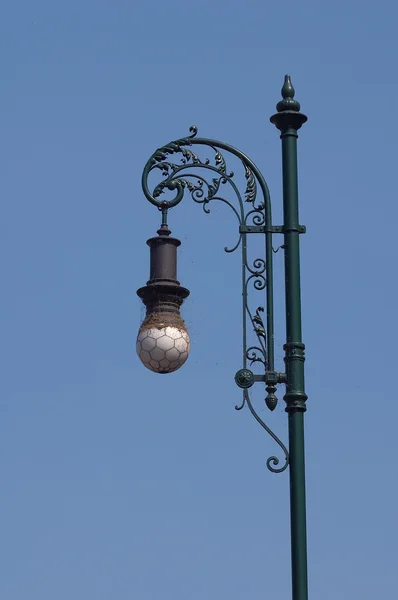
{"x":176,"y":179}
{"x":273,"y":461}
{"x":208,"y":179}
{"x":256,"y":354}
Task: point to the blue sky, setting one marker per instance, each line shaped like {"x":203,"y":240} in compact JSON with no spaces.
{"x":116,"y":482}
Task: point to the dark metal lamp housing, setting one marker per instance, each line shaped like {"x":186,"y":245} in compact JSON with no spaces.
{"x":163,"y":342}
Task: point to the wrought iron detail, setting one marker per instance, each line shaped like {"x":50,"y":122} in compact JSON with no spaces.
{"x":244,"y":378}
{"x":272,"y":461}
{"x":207,"y":180}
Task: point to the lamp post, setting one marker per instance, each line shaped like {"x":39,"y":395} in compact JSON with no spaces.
{"x":163,"y":341}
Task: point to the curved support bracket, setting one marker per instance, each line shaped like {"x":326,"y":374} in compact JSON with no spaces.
{"x":272,"y":461}
{"x":187,"y":174}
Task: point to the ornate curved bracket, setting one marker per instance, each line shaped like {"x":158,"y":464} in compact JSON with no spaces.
{"x":272,"y":461}
{"x":254,"y":216}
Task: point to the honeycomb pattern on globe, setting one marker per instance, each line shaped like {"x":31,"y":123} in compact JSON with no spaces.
{"x":163,"y":350}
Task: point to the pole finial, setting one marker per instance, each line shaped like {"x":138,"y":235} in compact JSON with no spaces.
{"x":288,"y":115}
{"x":288,"y":102}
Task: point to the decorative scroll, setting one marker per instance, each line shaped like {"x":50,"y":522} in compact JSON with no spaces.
{"x":207,"y":180}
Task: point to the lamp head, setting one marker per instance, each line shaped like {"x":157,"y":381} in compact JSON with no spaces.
{"x":163,"y":342}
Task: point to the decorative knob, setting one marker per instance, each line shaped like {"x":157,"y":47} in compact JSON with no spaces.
{"x":244,"y":378}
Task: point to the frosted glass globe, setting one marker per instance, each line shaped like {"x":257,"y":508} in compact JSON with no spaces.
{"x":164,"y":349}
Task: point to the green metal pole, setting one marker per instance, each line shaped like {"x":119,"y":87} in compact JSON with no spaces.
{"x":288,"y":120}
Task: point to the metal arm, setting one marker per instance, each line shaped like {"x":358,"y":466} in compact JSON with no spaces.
{"x":253,"y":216}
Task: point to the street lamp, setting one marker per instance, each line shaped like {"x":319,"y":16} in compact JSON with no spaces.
{"x":163,"y":341}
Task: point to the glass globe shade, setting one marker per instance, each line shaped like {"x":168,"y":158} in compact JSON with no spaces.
{"x":163,"y":349}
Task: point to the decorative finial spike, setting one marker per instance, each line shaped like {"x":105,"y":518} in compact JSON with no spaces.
{"x":288,"y":102}
{"x":288,"y":90}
